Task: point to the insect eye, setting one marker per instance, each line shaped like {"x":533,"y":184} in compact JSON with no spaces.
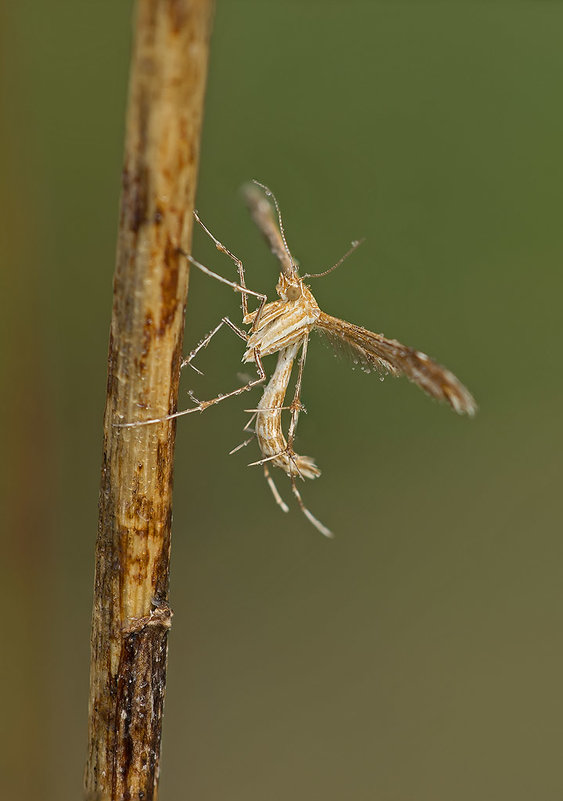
{"x":293,"y":292}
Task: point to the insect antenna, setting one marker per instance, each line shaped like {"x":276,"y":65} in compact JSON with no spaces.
{"x":355,"y":245}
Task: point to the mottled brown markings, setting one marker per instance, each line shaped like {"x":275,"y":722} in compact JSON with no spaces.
{"x":141,"y":506}
{"x":157,"y":199}
{"x":140,"y":689}
{"x":177,"y":15}
{"x":192,"y":151}
{"x":160,"y":577}
{"x":111,"y":386}
{"x":135,"y":196}
{"x":163,"y":457}
{"x":116,"y":560}
{"x":169,"y":286}
{"x":147,"y":340}
{"x":149,"y":27}
{"x":136,"y":176}
{"x":137,"y":565}
{"x":177,"y":359}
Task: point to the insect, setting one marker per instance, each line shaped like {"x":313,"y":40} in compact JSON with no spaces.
{"x":283,"y":326}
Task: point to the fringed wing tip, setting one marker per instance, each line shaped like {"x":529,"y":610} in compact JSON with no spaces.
{"x":460,"y":399}
{"x":392,"y":357}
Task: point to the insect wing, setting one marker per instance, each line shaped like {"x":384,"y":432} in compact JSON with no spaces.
{"x":390,"y":356}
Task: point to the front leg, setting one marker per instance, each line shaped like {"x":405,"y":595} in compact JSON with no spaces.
{"x":237,"y":287}
{"x":240,"y":267}
{"x":206,"y":340}
{"x":201,"y":406}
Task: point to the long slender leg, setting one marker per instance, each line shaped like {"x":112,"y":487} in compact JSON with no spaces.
{"x":237,"y":287}
{"x":308,"y":514}
{"x":279,"y":500}
{"x":269,"y":409}
{"x":296,"y":405}
{"x":202,"y":405}
{"x":267,"y":459}
{"x":286,"y":452}
{"x":247,"y":441}
{"x":249,"y":422}
{"x":206,"y":340}
{"x":291,"y":457}
{"x":242,"y":445}
{"x":222,"y":249}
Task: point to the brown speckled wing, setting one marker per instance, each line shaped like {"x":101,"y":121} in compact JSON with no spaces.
{"x":374,"y":351}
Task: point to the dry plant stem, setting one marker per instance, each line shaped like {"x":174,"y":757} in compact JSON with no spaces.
{"x":131,"y":616}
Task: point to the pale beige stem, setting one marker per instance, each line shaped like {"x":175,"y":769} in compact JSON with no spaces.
{"x":131,"y":616}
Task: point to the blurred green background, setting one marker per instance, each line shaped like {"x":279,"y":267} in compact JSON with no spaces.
{"x":419,"y":654}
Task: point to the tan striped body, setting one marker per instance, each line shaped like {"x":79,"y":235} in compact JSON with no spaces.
{"x":271,"y":439}
{"x":282,"y":323}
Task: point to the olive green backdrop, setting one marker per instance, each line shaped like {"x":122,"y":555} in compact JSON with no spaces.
{"x":418,"y":656}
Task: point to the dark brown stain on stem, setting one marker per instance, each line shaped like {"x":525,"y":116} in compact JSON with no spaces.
{"x":139,"y":695}
{"x":169,"y":286}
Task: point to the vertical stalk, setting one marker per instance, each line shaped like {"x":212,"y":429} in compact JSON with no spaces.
{"x":131,"y":616}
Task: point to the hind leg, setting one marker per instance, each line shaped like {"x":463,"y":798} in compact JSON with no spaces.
{"x":278,"y":498}
{"x":308,"y":514}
